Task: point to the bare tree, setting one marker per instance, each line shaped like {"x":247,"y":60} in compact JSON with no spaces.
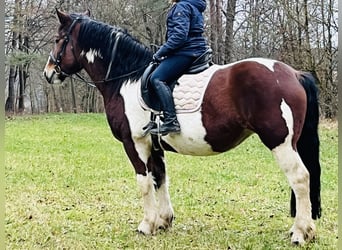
{"x":301,"y":33}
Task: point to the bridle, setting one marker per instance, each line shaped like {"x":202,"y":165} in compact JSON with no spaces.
{"x":57,"y":61}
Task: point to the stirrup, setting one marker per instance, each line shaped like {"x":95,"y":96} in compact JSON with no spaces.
{"x":153,"y":123}
{"x":165,"y":129}
{"x":148,"y":127}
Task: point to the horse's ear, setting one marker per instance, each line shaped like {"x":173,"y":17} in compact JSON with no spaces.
{"x":63,"y":17}
{"x":87,"y":13}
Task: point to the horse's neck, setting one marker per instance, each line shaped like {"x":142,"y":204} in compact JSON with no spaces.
{"x":95,"y":71}
{"x":97,"y":74}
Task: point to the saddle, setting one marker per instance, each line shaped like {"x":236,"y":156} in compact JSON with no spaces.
{"x":202,"y":63}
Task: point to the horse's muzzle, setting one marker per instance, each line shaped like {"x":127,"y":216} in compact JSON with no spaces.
{"x":48,"y":78}
{"x":51,"y":75}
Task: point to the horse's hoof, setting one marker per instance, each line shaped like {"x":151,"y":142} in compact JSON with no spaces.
{"x":165,"y":222}
{"x":140,"y":232}
{"x":146,"y":228}
{"x":297,"y":242}
{"x":300,"y":236}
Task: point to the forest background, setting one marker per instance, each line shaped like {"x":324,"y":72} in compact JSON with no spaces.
{"x":301,"y":33}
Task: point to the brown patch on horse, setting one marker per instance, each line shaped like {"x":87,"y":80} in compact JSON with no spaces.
{"x":248,"y":94}
{"x":119,"y":125}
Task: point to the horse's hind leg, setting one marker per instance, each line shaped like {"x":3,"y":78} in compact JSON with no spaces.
{"x":298,"y":177}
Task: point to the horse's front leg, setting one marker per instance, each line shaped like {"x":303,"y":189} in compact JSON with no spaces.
{"x":149,"y":223}
{"x":157,"y":164}
{"x":152,"y":181}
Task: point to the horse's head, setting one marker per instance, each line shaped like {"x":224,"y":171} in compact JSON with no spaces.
{"x":64,"y":59}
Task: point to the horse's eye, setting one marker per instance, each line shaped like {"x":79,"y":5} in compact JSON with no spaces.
{"x":57,"y":40}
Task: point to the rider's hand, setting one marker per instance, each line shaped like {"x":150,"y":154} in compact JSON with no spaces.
{"x":156,"y":58}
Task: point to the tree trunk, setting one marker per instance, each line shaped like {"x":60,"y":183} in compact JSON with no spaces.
{"x":213,"y":25}
{"x":255,"y":27}
{"x":21,"y":92}
{"x":73,"y":96}
{"x":219,"y":32}
{"x":310,"y":64}
{"x":330,"y":109}
{"x":23,"y":46}
{"x":230,"y":16}
{"x":10,"y":101}
{"x":56,"y":100}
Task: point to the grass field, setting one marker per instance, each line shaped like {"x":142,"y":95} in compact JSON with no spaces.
{"x":69,"y":185}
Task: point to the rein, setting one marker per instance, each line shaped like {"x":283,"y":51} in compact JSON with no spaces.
{"x":90,"y":83}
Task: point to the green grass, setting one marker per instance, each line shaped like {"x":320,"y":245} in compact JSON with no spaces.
{"x":69,"y":185}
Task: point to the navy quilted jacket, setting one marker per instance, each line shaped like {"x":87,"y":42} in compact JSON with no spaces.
{"x":185,"y":26}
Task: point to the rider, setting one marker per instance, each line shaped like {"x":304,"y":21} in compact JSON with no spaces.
{"x":184,"y":43}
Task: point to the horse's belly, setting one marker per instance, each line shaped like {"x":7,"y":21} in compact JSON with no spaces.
{"x":191,"y":140}
{"x":190,"y":146}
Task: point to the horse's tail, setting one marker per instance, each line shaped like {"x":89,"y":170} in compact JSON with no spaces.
{"x":308,"y":144}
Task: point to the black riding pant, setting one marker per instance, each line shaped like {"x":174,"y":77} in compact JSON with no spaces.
{"x":170,"y":69}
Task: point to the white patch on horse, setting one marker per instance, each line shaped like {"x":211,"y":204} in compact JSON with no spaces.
{"x":165,"y":206}
{"x":49,"y":69}
{"x":287,"y":157}
{"x":91,"y":54}
{"x":287,"y":115}
{"x":137,"y":119}
{"x":298,"y":177}
{"x":50,"y":72}
{"x":191,"y":139}
{"x":268,"y":63}
{"x":146,"y":185}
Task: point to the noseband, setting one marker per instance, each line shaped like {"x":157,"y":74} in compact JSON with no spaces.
{"x":57,"y":61}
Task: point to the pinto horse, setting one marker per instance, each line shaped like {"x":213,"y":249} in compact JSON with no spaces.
{"x":256,"y":95}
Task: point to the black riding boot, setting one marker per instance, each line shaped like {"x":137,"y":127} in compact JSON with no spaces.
{"x":170,"y":124}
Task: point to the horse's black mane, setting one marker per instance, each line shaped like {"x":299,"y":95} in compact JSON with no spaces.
{"x":130,"y":56}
